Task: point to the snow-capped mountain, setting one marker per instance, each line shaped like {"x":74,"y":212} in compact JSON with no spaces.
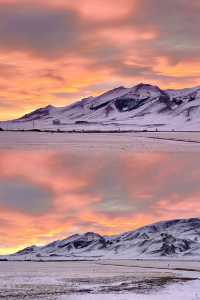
{"x":142,"y":107}
{"x":175,"y":239}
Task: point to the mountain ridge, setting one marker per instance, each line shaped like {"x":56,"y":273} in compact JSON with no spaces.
{"x":141,"y":107}
{"x":179,"y":238}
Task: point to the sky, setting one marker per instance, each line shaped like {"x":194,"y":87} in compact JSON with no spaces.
{"x":58,"y":51}
{"x":56,"y":194}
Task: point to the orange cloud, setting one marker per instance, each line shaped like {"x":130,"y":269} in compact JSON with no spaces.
{"x":186,"y":207}
{"x":60,"y":51}
{"x":126,"y":35}
{"x":110,"y":10}
{"x":181,"y":69}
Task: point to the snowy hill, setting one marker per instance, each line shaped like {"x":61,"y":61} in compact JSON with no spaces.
{"x":174,"y":239}
{"x":142,"y":107}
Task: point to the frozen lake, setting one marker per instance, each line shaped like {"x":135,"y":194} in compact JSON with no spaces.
{"x":114,"y":279}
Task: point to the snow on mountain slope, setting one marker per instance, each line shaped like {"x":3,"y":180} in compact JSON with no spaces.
{"x":142,"y":107}
{"x":174,"y":239}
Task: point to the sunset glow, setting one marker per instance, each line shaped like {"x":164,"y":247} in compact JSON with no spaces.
{"x":56,"y":51}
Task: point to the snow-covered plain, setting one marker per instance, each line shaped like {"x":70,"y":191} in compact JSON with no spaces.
{"x":119,"y":279}
{"x":97,"y":142}
{"x":187,"y":291}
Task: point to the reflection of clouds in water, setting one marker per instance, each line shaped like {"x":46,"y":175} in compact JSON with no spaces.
{"x":19,"y":194}
{"x":55,"y":194}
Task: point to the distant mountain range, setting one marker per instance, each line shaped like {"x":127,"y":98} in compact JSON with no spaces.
{"x":173,"y":239}
{"x":142,"y":107}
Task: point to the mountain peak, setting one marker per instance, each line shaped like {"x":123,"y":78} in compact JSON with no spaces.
{"x":148,"y":87}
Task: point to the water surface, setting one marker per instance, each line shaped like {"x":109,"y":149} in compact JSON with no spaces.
{"x":49,"y":194}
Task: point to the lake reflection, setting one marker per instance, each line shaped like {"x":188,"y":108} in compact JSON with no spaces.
{"x":48,"y":195}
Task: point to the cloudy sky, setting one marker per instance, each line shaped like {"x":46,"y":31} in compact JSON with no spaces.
{"x":55,"y":194}
{"x":57,"y":51}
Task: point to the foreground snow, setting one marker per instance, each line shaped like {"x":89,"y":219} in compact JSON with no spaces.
{"x":187,"y":291}
{"x":109,"y":280}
